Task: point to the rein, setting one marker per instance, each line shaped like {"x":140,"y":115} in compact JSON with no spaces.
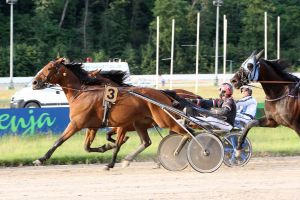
{"x":275,"y":82}
{"x":278,"y":82}
{"x":79,"y":90}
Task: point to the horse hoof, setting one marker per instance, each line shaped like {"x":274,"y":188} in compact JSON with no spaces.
{"x":106,"y":168}
{"x":156,"y":166}
{"x":37,"y":163}
{"x":125,"y":163}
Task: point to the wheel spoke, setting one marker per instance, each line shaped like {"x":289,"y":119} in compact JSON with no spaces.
{"x":231,"y":143}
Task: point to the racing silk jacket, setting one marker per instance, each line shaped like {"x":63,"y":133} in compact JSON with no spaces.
{"x":225,"y":108}
{"x":247,"y":106}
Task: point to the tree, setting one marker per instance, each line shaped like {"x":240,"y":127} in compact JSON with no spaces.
{"x":117,"y":28}
{"x":253,"y":26}
{"x":290,"y":28}
{"x":168,"y":10}
{"x":63,"y":13}
{"x":126,"y":29}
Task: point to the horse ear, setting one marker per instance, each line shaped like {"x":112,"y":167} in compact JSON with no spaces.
{"x":259,"y":55}
{"x":97,"y":71}
{"x":94,"y":73}
{"x":65,"y":61}
{"x":253,"y":53}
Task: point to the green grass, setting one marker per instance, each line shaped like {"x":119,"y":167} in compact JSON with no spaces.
{"x":22,"y":150}
{"x":274,"y":141}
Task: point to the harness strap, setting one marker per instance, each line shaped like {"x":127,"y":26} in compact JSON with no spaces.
{"x":106,"y":106}
{"x":294,"y":93}
{"x":251,"y":117}
{"x":253,"y":75}
{"x":276,"y":99}
{"x":295,"y":90}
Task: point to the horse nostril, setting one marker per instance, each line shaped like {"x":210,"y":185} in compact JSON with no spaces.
{"x":34,"y":83}
{"x":233,"y":81}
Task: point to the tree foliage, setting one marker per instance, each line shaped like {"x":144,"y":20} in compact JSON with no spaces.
{"x":126,"y":29}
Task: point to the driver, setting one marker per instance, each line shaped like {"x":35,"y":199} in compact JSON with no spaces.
{"x":222,"y":117}
{"x":246,"y":107}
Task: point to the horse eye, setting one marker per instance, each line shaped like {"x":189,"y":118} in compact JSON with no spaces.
{"x":250,"y":66}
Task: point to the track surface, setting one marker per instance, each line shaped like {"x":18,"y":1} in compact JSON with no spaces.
{"x":262,"y":178}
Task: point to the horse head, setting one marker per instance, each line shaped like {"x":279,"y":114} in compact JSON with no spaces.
{"x":49,"y":74}
{"x":249,"y":71}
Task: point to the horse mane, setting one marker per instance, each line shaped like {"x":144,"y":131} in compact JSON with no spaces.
{"x":280,"y":67}
{"x":82,"y":74}
{"x":115,"y":76}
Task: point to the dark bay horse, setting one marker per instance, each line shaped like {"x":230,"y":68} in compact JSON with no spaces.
{"x":282,"y":90}
{"x":86,"y":111}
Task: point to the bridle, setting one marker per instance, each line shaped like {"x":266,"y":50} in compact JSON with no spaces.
{"x":243,"y":76}
{"x":244,"y":79}
{"x":54,"y":72}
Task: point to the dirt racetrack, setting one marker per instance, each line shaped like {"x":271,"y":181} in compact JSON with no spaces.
{"x":262,"y":178}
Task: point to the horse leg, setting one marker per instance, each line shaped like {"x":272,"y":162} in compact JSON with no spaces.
{"x":145,"y":142}
{"x":109,"y":135}
{"x":68,"y":132}
{"x":112,"y":132}
{"x":89,"y":138}
{"x":263,"y":122}
{"x":245,"y":133}
{"x":120,"y":140}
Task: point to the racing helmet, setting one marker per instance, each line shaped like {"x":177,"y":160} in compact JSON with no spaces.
{"x":226,"y":90}
{"x":246,"y":88}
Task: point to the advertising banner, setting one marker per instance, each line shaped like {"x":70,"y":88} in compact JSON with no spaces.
{"x":29,"y":121}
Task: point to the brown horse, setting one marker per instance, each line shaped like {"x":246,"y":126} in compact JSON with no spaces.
{"x":282,"y":102}
{"x":116,"y":78}
{"x":85,"y":97}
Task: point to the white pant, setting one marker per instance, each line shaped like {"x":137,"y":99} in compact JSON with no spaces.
{"x":242,"y":118}
{"x":220,"y":124}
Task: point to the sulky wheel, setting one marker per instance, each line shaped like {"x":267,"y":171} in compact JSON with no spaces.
{"x":230,"y":142}
{"x":206,"y":156}
{"x":172,"y":152}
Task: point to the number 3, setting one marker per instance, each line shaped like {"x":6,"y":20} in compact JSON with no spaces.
{"x":110,"y":94}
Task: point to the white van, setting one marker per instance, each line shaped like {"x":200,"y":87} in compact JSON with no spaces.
{"x":115,"y":64}
{"x":48,"y":97}
{"x":54,"y":96}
